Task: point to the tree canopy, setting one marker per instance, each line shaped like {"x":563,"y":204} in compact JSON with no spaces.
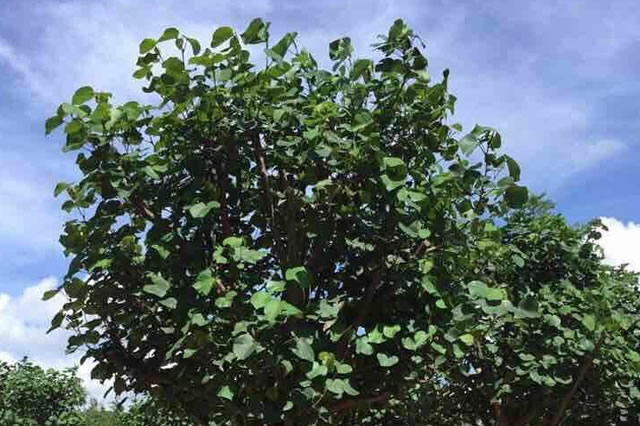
{"x":283,"y":243}
{"x":33,"y":396}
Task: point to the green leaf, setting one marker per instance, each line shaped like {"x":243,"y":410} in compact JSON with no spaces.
{"x":169,"y":34}
{"x":204,"y":282}
{"x":386,"y":361}
{"x":256,"y":32}
{"x":200,"y":210}
{"x":140,"y":73}
{"x":496,"y":294}
{"x":221,"y":35}
{"x":170,"y":303}
{"x":260,"y":299}
{"x":60,"y":187}
{"x":421,"y":337}
{"x":74,"y":287}
{"x":516,"y":196}
{"x":390,"y":331}
{"x":272,"y":309}
{"x":225,"y":392}
{"x":304,"y":350}
{"x":73,"y":126}
{"x":226,"y":301}
{"x":195,"y":45}
{"x":633,"y":356}
{"x":391,"y":184}
{"x":409,"y":344}
{"x":478,"y":289}
{"x":290,"y":310}
{"x":519,"y":262}
{"x":342,"y":368}
{"x":244,"y":346}
{"x":188,"y":353}
{"x":334,"y":386}
{"x":173,"y":65}
{"x":50,"y":294}
{"x":514,"y":168}
{"x":439,"y":348}
{"x":300,"y":275}
{"x":428,"y":285}
{"x":363,"y":346}
{"x":340,"y":49}
{"x":146,"y":45}
{"x":52,"y":123}
{"x":375,"y":336}
{"x":56,"y":322}
{"x":340,"y":386}
{"x":233,"y":242}
{"x":159,"y":287}
{"x":317,"y":370}
{"x":281,"y":47}
{"x":467,"y":339}
{"x":469,"y":143}
{"x":149,"y":171}
{"x":163,"y":252}
{"x":361,"y":68}
{"x":457,"y":351}
{"x":199,"y":320}
{"x":82,"y":95}
{"x":392,"y":163}
{"x":589,"y":322}
{"x":496,"y":141}
{"x":348,"y":389}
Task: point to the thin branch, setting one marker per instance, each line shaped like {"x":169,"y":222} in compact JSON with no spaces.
{"x":363,"y":310}
{"x":584,"y":368}
{"x":262,"y":167}
{"x":357,"y":402}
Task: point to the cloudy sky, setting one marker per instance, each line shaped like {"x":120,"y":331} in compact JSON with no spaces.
{"x":559,"y":79}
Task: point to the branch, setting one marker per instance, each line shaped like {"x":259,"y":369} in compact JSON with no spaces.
{"x":357,"y":402}
{"x":142,"y":209}
{"x":262,"y":167}
{"x":221,"y":176}
{"x":584,"y":368}
{"x":363,"y":310}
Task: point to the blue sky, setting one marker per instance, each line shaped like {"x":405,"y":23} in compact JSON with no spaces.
{"x":558,"y":79}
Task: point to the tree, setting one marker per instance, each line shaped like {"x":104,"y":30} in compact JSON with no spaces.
{"x":32,"y":396}
{"x":288,"y":244}
{"x":97,"y":415}
{"x":148,"y":411}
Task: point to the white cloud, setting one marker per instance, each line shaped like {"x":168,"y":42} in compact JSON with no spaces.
{"x":29,"y":215}
{"x":7,"y":357}
{"x":24,"y":321}
{"x":20,"y":65}
{"x":621,"y":244}
{"x":97,"y":43}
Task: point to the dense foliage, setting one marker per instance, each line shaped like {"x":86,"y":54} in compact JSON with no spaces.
{"x":571,"y":355}
{"x":32,"y":396}
{"x":288,"y":244}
